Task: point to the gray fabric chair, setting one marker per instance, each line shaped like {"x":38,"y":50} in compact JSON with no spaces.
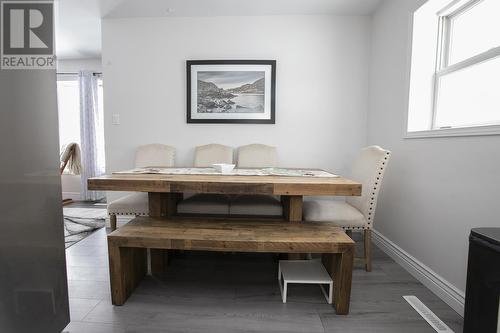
{"x":256,"y":156}
{"x":212,"y":204}
{"x":355,"y":213}
{"x":152,"y":155}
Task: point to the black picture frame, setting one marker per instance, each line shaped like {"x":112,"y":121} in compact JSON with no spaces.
{"x":215,"y":120}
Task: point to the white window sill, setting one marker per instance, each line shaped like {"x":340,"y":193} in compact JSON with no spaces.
{"x":449,"y":132}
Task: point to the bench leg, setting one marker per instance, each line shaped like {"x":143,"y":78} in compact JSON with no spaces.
{"x":159,"y":260}
{"x":339,"y":266}
{"x":127,"y":267}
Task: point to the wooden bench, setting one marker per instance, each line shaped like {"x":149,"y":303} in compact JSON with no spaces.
{"x":127,"y":247}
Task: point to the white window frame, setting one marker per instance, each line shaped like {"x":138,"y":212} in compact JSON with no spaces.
{"x":446,"y":15}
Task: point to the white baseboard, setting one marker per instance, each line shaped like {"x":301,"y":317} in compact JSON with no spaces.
{"x":452,"y":296}
{"x":72,"y":195}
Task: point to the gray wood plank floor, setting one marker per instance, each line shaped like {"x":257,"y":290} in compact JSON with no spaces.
{"x":215,"y":292}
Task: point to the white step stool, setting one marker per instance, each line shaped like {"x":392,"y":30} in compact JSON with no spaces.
{"x":304,"y":271}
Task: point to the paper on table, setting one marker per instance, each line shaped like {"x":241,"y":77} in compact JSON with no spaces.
{"x":170,"y":171}
{"x":297,"y":172}
{"x":235,"y":172}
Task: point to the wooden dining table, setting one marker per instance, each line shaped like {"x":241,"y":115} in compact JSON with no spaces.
{"x":165,"y":190}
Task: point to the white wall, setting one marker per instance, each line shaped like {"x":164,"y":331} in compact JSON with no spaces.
{"x":75,"y":65}
{"x":436,"y":189}
{"x":71,"y":186}
{"x":322,"y":80}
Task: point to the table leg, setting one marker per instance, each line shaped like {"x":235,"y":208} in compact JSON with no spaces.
{"x":127,"y":268}
{"x":292,"y":212}
{"x":340,"y":265}
{"x":161,"y":205}
{"x":292,"y":207}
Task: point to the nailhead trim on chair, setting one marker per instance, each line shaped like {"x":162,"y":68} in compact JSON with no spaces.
{"x":141,"y":214}
{"x":375,"y":190}
{"x":372,"y":199}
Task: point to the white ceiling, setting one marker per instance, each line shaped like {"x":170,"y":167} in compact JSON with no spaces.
{"x":78,"y":22}
{"x":154,"y":8}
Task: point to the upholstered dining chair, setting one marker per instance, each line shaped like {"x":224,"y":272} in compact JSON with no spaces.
{"x":355,"y":213}
{"x":151,"y":155}
{"x":213,"y":204}
{"x":205,"y":156}
{"x":256,"y":156}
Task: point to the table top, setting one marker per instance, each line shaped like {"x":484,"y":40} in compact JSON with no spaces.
{"x":226,"y":184}
{"x":205,"y":171}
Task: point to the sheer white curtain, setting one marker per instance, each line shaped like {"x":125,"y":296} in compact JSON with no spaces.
{"x":91,"y":133}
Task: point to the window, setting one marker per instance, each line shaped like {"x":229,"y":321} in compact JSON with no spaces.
{"x":68,"y":101}
{"x":471,"y":30}
{"x":464,"y":89}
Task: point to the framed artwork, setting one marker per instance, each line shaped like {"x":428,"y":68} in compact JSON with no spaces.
{"x":231,"y":91}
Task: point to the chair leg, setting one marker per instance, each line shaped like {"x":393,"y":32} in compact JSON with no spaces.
{"x":368,"y":250}
{"x":112,"y":221}
{"x":285,"y":290}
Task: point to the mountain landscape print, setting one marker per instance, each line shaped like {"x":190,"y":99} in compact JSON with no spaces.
{"x":230,"y":91}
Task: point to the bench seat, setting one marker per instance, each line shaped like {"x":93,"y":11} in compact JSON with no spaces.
{"x":127,"y":247}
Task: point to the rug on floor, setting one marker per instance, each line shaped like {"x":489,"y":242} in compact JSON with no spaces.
{"x":81,"y":222}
